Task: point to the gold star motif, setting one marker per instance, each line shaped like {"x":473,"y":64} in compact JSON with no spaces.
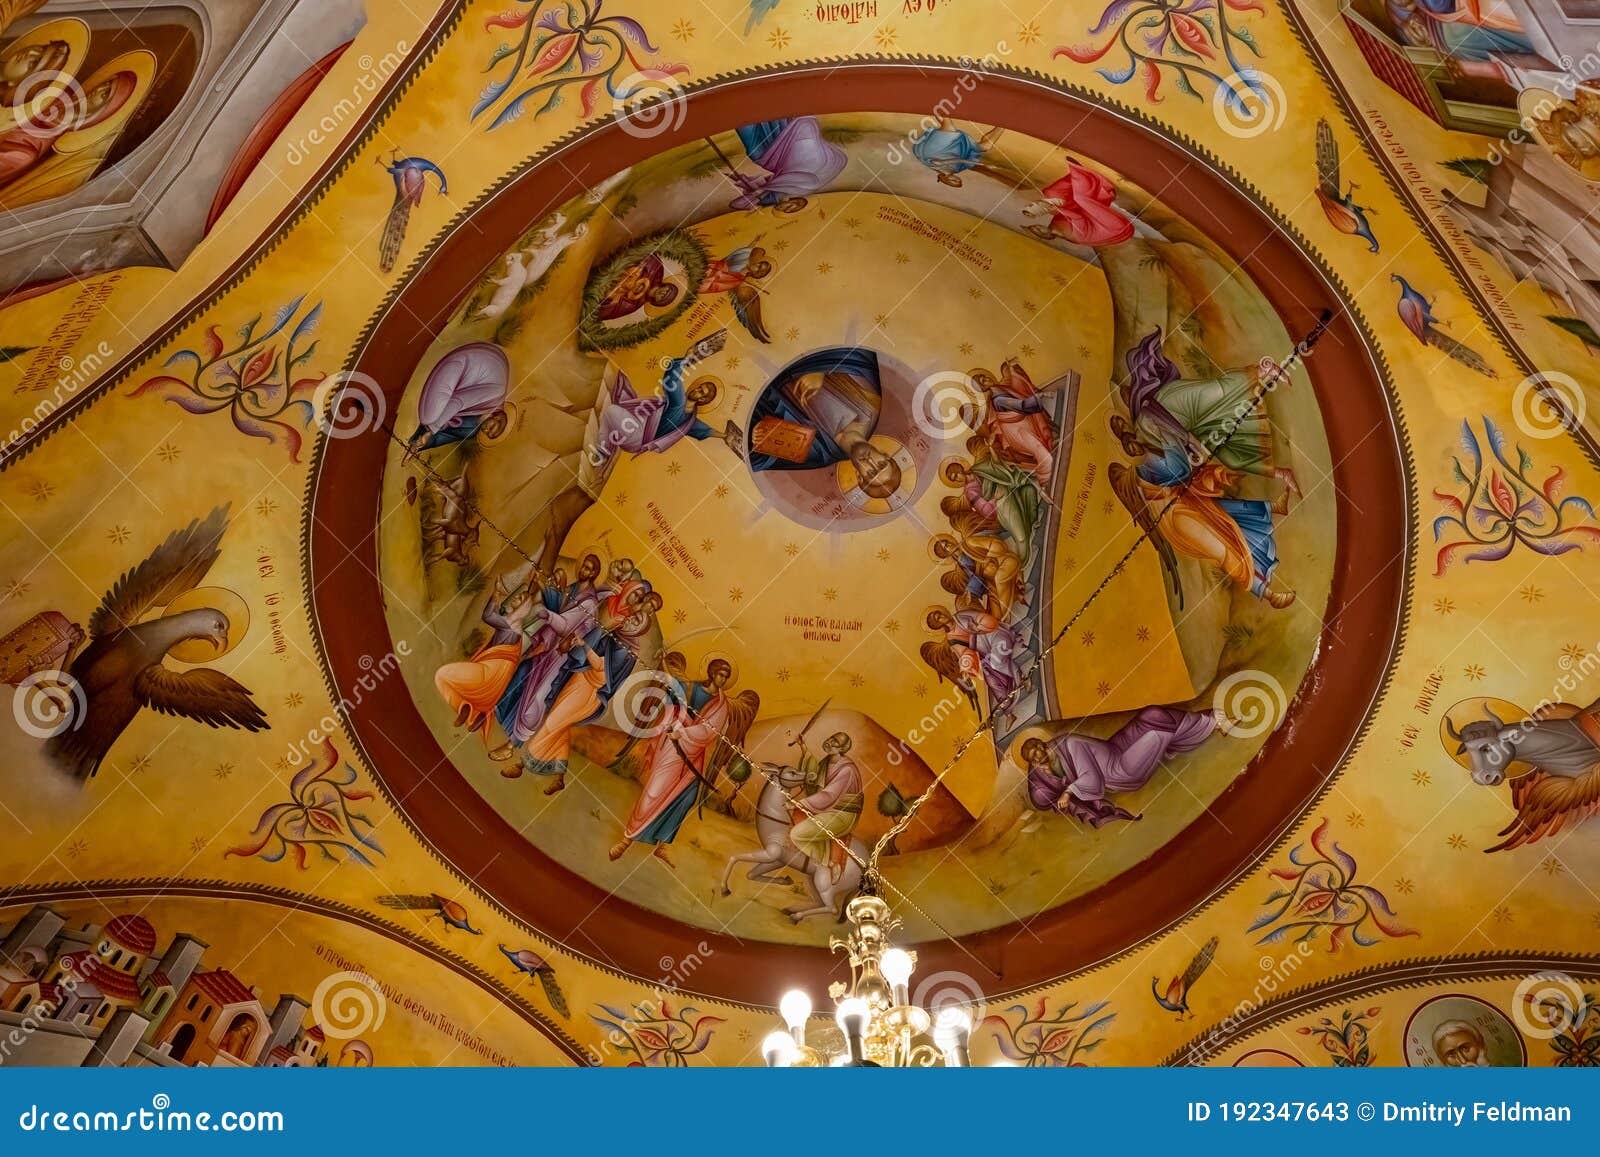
{"x":15,"y":589}
{"x":1405,"y":886}
{"x":975,"y":293}
{"x":266,"y":507}
{"x":791,"y":548}
{"x":621,"y":499}
{"x":902,"y":259}
{"x":683,"y":30}
{"x":708,"y":545}
{"x":735,"y":594}
{"x":223,"y":771}
{"x":1102,"y":689}
{"x":886,"y":37}
{"x":967,"y":349}
{"x":1531,"y":594}
{"x":830,"y":594}
{"x":720,"y":490}
{"x":39,"y":489}
{"x":198,"y":844}
{"x":1029,"y":307}
{"x":1355,"y":819}
{"x":293,"y":699}
{"x":140,"y":762}
{"x":1573,"y":653}
{"x":1551,"y":866}
{"x":779,"y":39}
{"x":824,"y":268}
{"x":680,"y":616}
{"x":1421,"y":778}
{"x":76,"y":848}
{"x":783,"y":674}
{"x":1457,"y":841}
{"x":118,"y":534}
{"x":793,"y":334}
{"x":858,"y":681}
{"x":891,"y":627}
{"x":884,"y":555}
{"x":1473,"y":672}
{"x":920,"y":690}
{"x":1142,"y":634}
{"x":880,"y":320}
{"x":1443,"y":606}
{"x":674,"y":468}
{"x":852,"y":222}
{"x":733,"y":361}
{"x":167,"y":452}
{"x":1088,"y":638}
{"x":1503,"y":915}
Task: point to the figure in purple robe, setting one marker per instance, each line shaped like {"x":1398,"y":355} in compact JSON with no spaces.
{"x":653,"y":425}
{"x":798,"y":159}
{"x":464,"y":397}
{"x":1073,"y":774}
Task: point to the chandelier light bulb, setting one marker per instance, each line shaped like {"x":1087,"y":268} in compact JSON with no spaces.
{"x":795,"y":1008}
{"x":851,"y":1015}
{"x":896,"y":967}
{"x":778,"y":1049}
{"x":952,"y":1030}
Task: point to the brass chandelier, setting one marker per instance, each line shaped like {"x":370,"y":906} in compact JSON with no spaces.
{"x":882,"y":1028}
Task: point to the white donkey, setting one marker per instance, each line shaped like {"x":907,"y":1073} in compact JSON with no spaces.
{"x":777,"y":853}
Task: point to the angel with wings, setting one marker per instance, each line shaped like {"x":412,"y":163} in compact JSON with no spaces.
{"x":702,"y":727}
{"x":123,"y":669}
{"x":1557,"y":748}
{"x":736,"y":275}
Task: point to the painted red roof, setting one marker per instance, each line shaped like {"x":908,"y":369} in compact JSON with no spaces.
{"x":111,"y":982}
{"x":50,"y":994}
{"x":316,"y":1034}
{"x":159,"y":979}
{"x":134,"y":933}
{"x":279,"y":1053}
{"x":223,"y":987}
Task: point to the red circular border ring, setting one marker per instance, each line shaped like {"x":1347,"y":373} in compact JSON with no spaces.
{"x":1360,"y":634}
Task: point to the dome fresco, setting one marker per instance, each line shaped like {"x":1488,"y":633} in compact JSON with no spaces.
{"x":517,"y":516}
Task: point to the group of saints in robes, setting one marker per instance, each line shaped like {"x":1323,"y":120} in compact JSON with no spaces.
{"x":995,"y":517}
{"x":556,"y":656}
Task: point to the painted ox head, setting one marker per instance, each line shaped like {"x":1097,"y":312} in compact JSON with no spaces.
{"x":1490,"y":746}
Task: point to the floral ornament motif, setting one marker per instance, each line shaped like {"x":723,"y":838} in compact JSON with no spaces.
{"x":1499,"y":505}
{"x":1323,"y":896}
{"x":1346,"y":1040}
{"x":253,"y":379}
{"x":1037,"y":1041}
{"x":317,"y":815}
{"x":1192,"y":40}
{"x":664,"y":1040}
{"x":1575,"y":1026}
{"x":567,"y":44}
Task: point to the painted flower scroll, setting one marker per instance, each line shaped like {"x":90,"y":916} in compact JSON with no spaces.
{"x":566,"y":44}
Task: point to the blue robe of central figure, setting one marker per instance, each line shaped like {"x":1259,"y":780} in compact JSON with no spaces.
{"x":1252,"y":516}
{"x":829,"y":414}
{"x":947,"y":150}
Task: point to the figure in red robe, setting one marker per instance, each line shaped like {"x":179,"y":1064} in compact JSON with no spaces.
{"x":1081,"y":207}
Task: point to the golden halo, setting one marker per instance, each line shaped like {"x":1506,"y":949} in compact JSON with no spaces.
{"x":848,"y":479}
{"x":942,"y":536}
{"x":733,"y":666}
{"x":1023,"y":737}
{"x":1536,"y":105}
{"x":708,"y":380}
{"x":948,"y":466}
{"x":217,"y":598}
{"x":510,"y":409}
{"x":1470,"y":710}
